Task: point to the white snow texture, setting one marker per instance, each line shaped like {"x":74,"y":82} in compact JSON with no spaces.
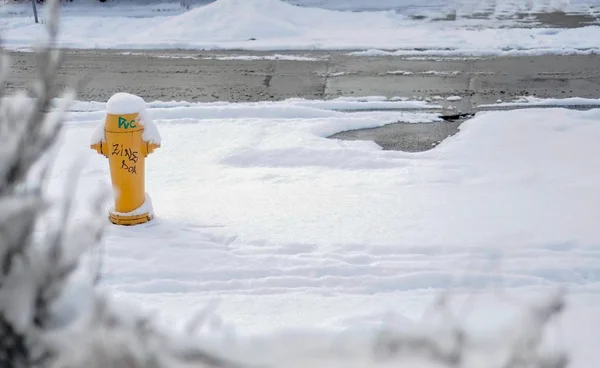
{"x":125,"y":103}
{"x":291,"y":229}
{"x":278,"y":25}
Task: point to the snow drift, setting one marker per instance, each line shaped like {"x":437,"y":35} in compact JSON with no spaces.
{"x":270,"y":216}
{"x":278,"y":25}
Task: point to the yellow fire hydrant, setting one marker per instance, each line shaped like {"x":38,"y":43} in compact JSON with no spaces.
{"x":126,"y":138}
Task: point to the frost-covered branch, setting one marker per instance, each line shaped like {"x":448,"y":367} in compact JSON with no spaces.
{"x":37,"y":255}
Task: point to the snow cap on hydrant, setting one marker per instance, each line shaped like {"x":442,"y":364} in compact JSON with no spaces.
{"x":126,"y":138}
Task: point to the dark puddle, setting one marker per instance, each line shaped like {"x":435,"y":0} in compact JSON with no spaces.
{"x":408,"y":137}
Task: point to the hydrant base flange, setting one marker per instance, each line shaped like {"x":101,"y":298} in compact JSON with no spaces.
{"x":130,"y":220}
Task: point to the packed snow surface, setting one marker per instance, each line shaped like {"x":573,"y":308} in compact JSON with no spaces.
{"x":279,"y":25}
{"x":258,"y":209}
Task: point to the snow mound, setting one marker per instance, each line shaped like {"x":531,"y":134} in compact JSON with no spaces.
{"x":279,"y":25}
{"x":125,"y":103}
{"x":258,"y":19}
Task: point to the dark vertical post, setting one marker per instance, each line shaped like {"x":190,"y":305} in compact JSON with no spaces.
{"x":34,"y":10}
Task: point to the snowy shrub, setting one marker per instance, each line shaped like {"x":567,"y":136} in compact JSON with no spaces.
{"x":53,"y":313}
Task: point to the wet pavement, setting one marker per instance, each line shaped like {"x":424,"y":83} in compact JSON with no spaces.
{"x":408,"y":137}
{"x":457,"y":84}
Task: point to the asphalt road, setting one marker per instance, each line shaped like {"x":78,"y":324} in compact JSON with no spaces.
{"x":230,"y":76}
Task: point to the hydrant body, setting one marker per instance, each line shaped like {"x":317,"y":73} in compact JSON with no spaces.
{"x":126,"y":150}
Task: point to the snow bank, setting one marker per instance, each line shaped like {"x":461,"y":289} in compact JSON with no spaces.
{"x":266,"y":57}
{"x":506,"y":45}
{"x":287,"y":57}
{"x":293,"y":108}
{"x":344,"y":232}
{"x":531,"y":101}
{"x":439,"y":8}
{"x":481,"y":174}
{"x":260,"y":19}
{"x":277,"y":25}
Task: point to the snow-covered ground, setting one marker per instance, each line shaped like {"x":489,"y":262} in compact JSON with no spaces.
{"x":279,"y":25}
{"x":258,"y":209}
{"x":461,"y":7}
